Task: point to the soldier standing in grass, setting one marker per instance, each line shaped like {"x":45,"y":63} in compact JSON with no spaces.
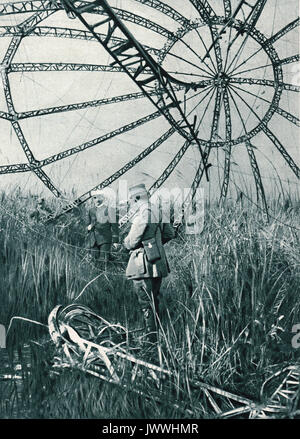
{"x":147,"y":263}
{"x":103,"y":226}
{"x":41,"y":210}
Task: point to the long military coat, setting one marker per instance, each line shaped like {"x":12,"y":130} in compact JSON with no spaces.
{"x":143,"y":227}
{"x":104,"y":226}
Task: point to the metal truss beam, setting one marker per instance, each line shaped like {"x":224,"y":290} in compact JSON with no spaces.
{"x":39,"y":172}
{"x":80,"y":106}
{"x":170,"y":168}
{"x":22,"y":140}
{"x":23,"y":29}
{"x":227,"y":8}
{"x":274,"y":139}
{"x":98,"y":140}
{"x":108,"y":181}
{"x":253,"y":162}
{"x":6,"y":116}
{"x":257,"y":177}
{"x":277,"y":83}
{"x":211,"y":18}
{"x":290,"y":117}
{"x":13,"y":46}
{"x":114,"y":22}
{"x":227,"y":114}
{"x":204,"y":9}
{"x":290,"y":59}
{"x":256,"y":12}
{"x":251,"y":31}
{"x":129,"y":56}
{"x":208,"y":146}
{"x":283,"y":32}
{"x":161,"y":179}
{"x":11,"y":51}
{"x":26,"y":6}
{"x":25,"y":167}
{"x":7,"y":93}
{"x":65,"y":67}
{"x":265,"y":82}
{"x":141,"y":21}
{"x":26,"y":27}
{"x":217,"y":47}
{"x":13,"y":169}
{"x":61,"y":32}
{"x":227,"y":149}
{"x":33,"y":6}
{"x":282,"y":151}
{"x":196,"y":182}
{"x":132,"y":53}
{"x":216,"y":116}
{"x":247,"y":25}
{"x":47,"y":182}
{"x":166,"y":10}
{"x":225,"y":183}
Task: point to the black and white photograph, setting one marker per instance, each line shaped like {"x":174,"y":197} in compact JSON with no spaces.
{"x":149,"y":214}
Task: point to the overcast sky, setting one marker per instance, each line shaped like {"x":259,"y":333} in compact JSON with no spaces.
{"x":47,"y":135}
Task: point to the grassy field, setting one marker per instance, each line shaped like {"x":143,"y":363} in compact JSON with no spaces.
{"x":227,"y":311}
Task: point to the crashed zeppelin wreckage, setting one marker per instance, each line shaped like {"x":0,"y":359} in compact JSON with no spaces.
{"x":87,"y":342}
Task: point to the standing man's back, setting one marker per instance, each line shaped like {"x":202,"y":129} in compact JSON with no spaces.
{"x":148,"y":263}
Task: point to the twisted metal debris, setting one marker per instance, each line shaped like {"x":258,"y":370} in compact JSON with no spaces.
{"x":87,"y":342}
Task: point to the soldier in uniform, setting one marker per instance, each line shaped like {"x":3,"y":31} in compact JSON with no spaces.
{"x":41,"y":210}
{"x":147,"y":263}
{"x":103,"y":226}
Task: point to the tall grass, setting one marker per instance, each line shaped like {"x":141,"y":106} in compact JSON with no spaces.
{"x":227,"y":310}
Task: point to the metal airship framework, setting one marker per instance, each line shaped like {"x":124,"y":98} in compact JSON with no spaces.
{"x":168,"y":92}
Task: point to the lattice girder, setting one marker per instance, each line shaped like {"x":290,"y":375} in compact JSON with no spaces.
{"x":86,"y":341}
{"x":145,"y":66}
